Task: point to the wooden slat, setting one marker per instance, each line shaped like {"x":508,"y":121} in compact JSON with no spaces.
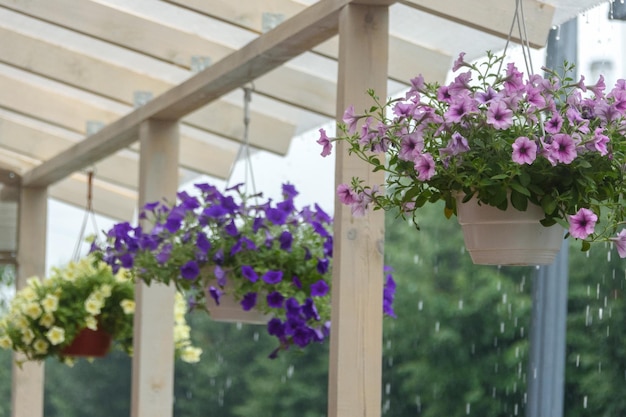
{"x":406,"y":59}
{"x":200,"y":152}
{"x":166,"y":40}
{"x":77,"y":63}
{"x":108,"y":199}
{"x":305,"y":30}
{"x":493,"y":16}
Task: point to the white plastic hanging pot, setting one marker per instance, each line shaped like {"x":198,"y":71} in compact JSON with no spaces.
{"x":507,"y":237}
{"x":229,"y":310}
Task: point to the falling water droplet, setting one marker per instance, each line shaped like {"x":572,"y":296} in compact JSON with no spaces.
{"x":460,"y":304}
{"x":255,"y":337}
{"x":290,"y":371}
{"x":501,"y":327}
{"x":420,"y":305}
{"x":437,"y":326}
{"x":467,"y":408}
{"x":577,"y":361}
{"x":585,"y":402}
{"x":600,"y":314}
{"x":387,"y":388}
{"x":504,"y":298}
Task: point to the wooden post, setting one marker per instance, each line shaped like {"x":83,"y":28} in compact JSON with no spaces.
{"x":153,"y":358}
{"x":357,"y":293}
{"x":27,"y":381}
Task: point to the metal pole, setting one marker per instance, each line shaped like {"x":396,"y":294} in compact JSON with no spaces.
{"x":546,"y":368}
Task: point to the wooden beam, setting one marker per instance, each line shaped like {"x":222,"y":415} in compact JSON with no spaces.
{"x":355,"y":372}
{"x":305,"y":30}
{"x":493,"y":16}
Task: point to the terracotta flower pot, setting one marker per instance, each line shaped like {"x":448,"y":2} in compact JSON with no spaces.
{"x":511,"y":237}
{"x":91,"y":343}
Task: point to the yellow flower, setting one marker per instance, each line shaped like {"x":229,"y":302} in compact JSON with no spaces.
{"x":27,"y":336}
{"x":5,"y":342}
{"x":40,"y":346}
{"x":47,"y":320}
{"x":92,"y":306}
{"x":180,"y":308}
{"x":97,"y":296}
{"x":33,"y":282}
{"x":105,"y":290}
{"x":32,"y":310}
{"x":181,"y":333}
{"x":128,"y":306}
{"x":50,"y":303}
{"x":56,"y":335}
{"x":91,"y":323}
{"x":28,"y":293}
{"x":21,"y":323}
{"x":191,"y":354}
{"x":69,"y":361}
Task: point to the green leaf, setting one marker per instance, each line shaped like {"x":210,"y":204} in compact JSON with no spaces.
{"x":548,"y":204}
{"x":520,"y":188}
{"x":585,"y":246}
{"x":519,"y":201}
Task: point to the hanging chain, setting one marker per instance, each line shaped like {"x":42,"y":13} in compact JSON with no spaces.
{"x":89,"y":214}
{"x":244,"y":149}
{"x":519,"y":20}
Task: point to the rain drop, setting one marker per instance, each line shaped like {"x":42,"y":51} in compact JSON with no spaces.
{"x":460,"y":304}
{"x":437,"y":326}
{"x":585,"y":402}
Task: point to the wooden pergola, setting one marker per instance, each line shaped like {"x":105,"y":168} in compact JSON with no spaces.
{"x":74,"y":77}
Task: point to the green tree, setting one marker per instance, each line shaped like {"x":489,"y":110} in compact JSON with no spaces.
{"x":459,"y":344}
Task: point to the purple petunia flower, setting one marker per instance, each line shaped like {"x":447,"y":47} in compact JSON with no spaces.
{"x":202,"y":242}
{"x":275,"y":327}
{"x":319,"y":289}
{"x":248,"y":272}
{"x":220,"y":275}
{"x":164,"y":255}
{"x":248,"y":301}
{"x":285,"y":240}
{"x":189,"y":270}
{"x":322,"y":265}
{"x":272,"y":277}
{"x":310,"y":310}
{"x":215,"y":293}
{"x":275,"y":299}
{"x":276,"y":216}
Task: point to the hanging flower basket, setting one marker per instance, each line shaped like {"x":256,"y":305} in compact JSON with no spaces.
{"x":89,"y":343}
{"x":507,"y":237}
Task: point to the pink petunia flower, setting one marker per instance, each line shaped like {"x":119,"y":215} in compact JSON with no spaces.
{"x":345,"y":194}
{"x":350,"y":119}
{"x":620,"y":243}
{"x":583,"y":223}
{"x":425,"y":166}
{"x":524,"y":150}
{"x":499,"y":115}
{"x":327,"y":145}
